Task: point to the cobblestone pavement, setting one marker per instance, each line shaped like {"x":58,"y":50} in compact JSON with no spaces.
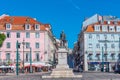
{"x":86,"y":76}
{"x":100,"y":76}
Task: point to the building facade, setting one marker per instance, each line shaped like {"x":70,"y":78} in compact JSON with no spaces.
{"x":30,"y":34}
{"x":99,"y":43}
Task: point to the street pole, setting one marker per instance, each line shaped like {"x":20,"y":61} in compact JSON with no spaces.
{"x":102,"y":61}
{"x":119,"y":49}
{"x":30,"y":61}
{"x":23,"y":53}
{"x":17,"y":58}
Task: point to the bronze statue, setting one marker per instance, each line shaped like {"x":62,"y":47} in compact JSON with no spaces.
{"x":62,"y":39}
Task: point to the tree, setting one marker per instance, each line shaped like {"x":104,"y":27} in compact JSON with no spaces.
{"x":2,"y":38}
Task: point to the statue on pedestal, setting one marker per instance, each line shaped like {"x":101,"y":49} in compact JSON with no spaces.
{"x":62,"y":39}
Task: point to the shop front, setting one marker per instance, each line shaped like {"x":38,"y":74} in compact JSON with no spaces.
{"x":98,"y":66}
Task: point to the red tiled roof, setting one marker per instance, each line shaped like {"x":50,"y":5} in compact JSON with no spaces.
{"x":18,"y":23}
{"x":90,"y":28}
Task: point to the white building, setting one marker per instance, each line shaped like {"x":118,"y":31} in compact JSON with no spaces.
{"x":99,"y":43}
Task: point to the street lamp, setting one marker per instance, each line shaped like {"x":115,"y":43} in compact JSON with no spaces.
{"x":119,"y":50}
{"x":17,"y":58}
{"x":102,"y":61}
{"x":30,"y":60}
{"x":85,"y":61}
{"x":104,"y":41}
{"x":23,"y":53}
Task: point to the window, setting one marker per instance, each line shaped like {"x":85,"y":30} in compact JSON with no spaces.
{"x":97,"y":27}
{"x":104,"y":28}
{"x":97,"y":36}
{"x":37,"y":27}
{"x":118,"y":35}
{"x":27,"y":35}
{"x":90,"y":56}
{"x":7,"y":56}
{"x":118,"y":28}
{"x":119,"y":56}
{"x":8,"y":44}
{"x":8,"y":26}
{"x":97,"y":45}
{"x":37,"y":35}
{"x":90,"y":36}
{"x":112,"y":36}
{"x":27,"y":57}
{"x":98,"y":57}
{"x":105,"y":44}
{"x":17,"y":35}
{"x":111,"y":28}
{"x":105,"y":36}
{"x":8,"y":34}
{"x":36,"y":45}
{"x":105,"y":57}
{"x":37,"y":57}
{"x":27,"y":26}
{"x":27,"y":45}
{"x":89,"y":45}
{"x":113,"y":56}
{"x":112,"y":45}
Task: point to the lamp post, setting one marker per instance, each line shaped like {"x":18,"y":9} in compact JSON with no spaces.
{"x":103,"y":41}
{"x":102,"y":61}
{"x":17,"y":58}
{"x":119,"y":49}
{"x":23,"y":53}
{"x":30,"y":60}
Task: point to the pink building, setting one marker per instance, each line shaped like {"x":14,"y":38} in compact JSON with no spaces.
{"x":29,"y":33}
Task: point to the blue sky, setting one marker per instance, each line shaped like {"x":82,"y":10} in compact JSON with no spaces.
{"x":66,"y":15}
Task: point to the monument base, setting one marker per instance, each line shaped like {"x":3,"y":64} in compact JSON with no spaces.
{"x":62,"y":69}
{"x":62,"y":74}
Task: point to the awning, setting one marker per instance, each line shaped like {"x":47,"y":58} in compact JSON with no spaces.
{"x":29,"y":66}
{"x":37,"y":64}
{"x":3,"y":66}
{"x":48,"y":65}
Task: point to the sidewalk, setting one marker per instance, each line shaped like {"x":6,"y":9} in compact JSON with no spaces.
{"x":21,"y":74}
{"x":96,"y":72}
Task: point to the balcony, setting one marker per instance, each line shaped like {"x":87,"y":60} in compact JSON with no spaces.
{"x":96,"y":60}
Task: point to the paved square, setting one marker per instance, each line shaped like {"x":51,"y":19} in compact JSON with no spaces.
{"x":86,"y":76}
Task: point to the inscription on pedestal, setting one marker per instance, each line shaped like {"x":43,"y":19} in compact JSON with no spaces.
{"x":62,"y":58}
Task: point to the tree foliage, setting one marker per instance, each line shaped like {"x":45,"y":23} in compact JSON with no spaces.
{"x":2,"y":38}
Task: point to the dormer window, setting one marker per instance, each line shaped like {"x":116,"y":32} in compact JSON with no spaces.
{"x":97,"y":27}
{"x":118,"y":28}
{"x":37,"y":27}
{"x":8,"y":26}
{"x":111,"y":28}
{"x":104,"y":28}
{"x":27,"y":26}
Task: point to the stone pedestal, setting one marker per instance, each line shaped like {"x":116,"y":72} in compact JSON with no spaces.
{"x":62,"y":69}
